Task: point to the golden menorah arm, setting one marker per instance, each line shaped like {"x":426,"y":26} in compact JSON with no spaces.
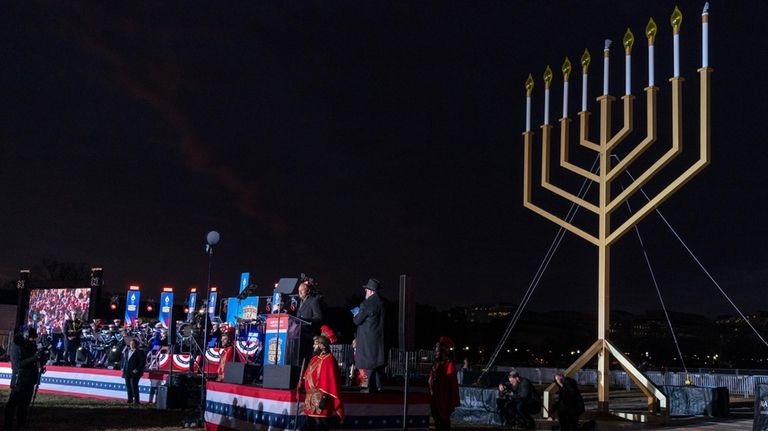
{"x":564,"y":147}
{"x":705,"y":156}
{"x":527,"y":189}
{"x":650,"y":138}
{"x":546,"y":134}
{"x":644,"y":383}
{"x":627,"y":128}
{"x":584,"y":132}
{"x":677,"y":147}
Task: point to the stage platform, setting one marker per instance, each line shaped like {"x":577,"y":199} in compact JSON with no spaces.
{"x":235,"y":407}
{"x":81,"y":382}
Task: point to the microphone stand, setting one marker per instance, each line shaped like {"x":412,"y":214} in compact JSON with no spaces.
{"x":298,"y":397}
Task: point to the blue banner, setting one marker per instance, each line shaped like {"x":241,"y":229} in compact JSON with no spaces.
{"x":192,"y":304}
{"x":132,"y":307}
{"x":233,"y":308}
{"x":166,"y":308}
{"x":212,"y":303}
{"x":249,"y":308}
{"x":244,"y":278}
{"x":246,"y":309}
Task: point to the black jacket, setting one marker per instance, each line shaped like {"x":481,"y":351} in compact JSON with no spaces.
{"x":570,"y":401}
{"x":370,"y":334}
{"x":311,"y":310}
{"x":136,"y":362}
{"x":24,"y":362}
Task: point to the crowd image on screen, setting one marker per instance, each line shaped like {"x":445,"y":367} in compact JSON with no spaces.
{"x":49,"y":308}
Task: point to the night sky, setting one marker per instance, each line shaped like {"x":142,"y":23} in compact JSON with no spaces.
{"x":350,"y":140}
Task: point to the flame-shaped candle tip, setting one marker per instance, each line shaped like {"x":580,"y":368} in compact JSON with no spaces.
{"x":629,"y":40}
{"x":650,"y":30}
{"x":676,"y":19}
{"x":705,"y":11}
{"x":585,"y":60}
{"x":566,"y":68}
{"x":529,"y":85}
{"x":547,"y":76}
{"x":608,"y":43}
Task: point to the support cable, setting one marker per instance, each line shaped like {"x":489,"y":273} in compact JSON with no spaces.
{"x":658,"y":291}
{"x":570,"y":215}
{"x":698,"y":262}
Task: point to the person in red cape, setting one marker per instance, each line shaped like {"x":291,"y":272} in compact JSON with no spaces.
{"x":322,"y":386}
{"x":225,"y":355}
{"x":443,"y":385}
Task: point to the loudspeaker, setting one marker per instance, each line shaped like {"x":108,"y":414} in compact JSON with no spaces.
{"x":240,"y":373}
{"x":281,"y":376}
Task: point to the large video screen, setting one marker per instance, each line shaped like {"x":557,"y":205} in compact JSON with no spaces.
{"x":51,"y":307}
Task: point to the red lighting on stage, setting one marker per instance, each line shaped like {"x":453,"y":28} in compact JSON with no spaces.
{"x":150,"y":307}
{"x":168,"y":289}
{"x":113,"y":307}
{"x":186,"y":310}
{"x":133,"y":287}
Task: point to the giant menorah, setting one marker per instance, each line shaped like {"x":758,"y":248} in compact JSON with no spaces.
{"x":609,"y":168}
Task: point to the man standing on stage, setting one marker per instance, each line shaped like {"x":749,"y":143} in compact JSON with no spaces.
{"x":133,"y":364}
{"x":443,"y":385}
{"x":25,"y":364}
{"x":310,"y":310}
{"x":322,"y":385}
{"x":72,"y":330}
{"x":369,"y":319}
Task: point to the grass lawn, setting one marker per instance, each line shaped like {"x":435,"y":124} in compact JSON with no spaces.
{"x":66,"y":413}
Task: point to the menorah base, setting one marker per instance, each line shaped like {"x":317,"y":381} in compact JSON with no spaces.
{"x":657,"y":411}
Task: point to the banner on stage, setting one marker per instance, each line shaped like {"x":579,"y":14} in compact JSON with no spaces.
{"x":192,"y":305}
{"x":244,"y":279}
{"x":132,"y":300}
{"x":166,"y":308}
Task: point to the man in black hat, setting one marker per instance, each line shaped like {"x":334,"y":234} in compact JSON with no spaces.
{"x":369,"y":319}
{"x":25,"y":364}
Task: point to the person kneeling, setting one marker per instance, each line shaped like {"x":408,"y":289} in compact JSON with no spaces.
{"x":518,"y":401}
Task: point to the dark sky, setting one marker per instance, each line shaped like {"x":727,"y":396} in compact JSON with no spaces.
{"x":357,"y":139}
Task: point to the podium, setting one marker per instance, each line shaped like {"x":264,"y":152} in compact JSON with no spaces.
{"x":282,"y":351}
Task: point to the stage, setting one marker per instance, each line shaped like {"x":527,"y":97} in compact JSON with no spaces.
{"x":235,"y":407}
{"x":81,"y":382}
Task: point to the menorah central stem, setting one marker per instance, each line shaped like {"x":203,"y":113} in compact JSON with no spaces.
{"x":604,"y":255}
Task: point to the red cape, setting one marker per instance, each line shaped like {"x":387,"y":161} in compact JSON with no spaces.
{"x":443,"y":388}
{"x":322,"y":378}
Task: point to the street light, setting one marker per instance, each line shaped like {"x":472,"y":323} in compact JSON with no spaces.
{"x":211,"y":239}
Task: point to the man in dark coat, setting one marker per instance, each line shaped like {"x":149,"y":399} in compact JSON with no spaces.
{"x":72,"y":330}
{"x":310,"y":310}
{"x":25,"y":364}
{"x":369,"y":319}
{"x":518,"y":401}
{"x":570,"y":404}
{"x":133,"y":364}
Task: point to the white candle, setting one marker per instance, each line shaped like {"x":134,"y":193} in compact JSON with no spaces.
{"x":584,"y":92}
{"x":628,"y":74}
{"x":565,"y":99}
{"x":676,"y":73}
{"x":676,"y":20}
{"x":546,"y":106}
{"x":606,"y":52}
{"x":705,"y":36}
{"x":651,"y":81}
{"x":528,"y":114}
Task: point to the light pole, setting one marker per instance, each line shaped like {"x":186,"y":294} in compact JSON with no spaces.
{"x":211,"y":239}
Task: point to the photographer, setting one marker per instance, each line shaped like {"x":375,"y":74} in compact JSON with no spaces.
{"x":26,"y":363}
{"x":518,"y":401}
